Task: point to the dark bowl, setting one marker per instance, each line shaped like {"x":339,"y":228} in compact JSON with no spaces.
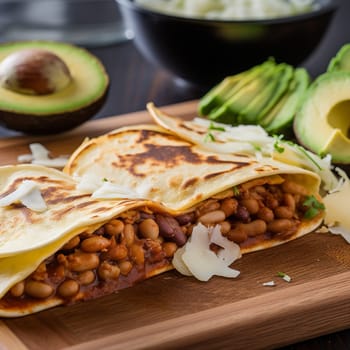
{"x":204,"y":51}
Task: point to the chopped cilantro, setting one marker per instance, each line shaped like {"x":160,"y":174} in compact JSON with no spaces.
{"x":209,"y":137}
{"x":313,"y":207}
{"x":212,"y":126}
{"x":277,"y":145}
{"x":236,"y":191}
{"x":257,"y":147}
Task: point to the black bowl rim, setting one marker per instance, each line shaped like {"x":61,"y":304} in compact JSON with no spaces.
{"x":329,"y":7}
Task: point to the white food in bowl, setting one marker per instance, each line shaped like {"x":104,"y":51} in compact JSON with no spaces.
{"x":230,"y":9}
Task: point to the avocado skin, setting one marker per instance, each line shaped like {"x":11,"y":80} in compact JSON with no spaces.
{"x":52,"y":124}
{"x":341,"y":61}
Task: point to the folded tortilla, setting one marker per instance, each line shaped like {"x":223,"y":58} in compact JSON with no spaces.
{"x":125,"y":204}
{"x":31,"y":242}
{"x":153,"y":163}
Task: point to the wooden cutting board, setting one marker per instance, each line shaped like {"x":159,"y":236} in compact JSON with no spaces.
{"x":174,"y":312}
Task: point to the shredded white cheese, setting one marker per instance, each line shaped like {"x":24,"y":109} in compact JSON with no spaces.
{"x":284,"y":276}
{"x":41,"y":155}
{"x":197,"y":259}
{"x":255,"y":141}
{"x":337,"y":207}
{"x":28,"y":193}
{"x":269,"y":284}
{"x":89,"y":183}
{"x":110,"y":190}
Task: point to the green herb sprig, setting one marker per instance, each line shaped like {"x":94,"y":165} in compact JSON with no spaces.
{"x":314,"y":207}
{"x":209,"y":137}
{"x":277,"y":146}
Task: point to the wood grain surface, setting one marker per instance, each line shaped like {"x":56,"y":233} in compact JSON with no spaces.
{"x":171,"y":311}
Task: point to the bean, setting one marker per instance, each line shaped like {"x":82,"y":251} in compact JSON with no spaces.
{"x":293,"y":187}
{"x":237,"y":235}
{"x":58,"y":273}
{"x":131,"y":216}
{"x":265,"y":214}
{"x":144,"y":215}
{"x":68,"y":288}
{"x":80,"y":261}
{"x":86,"y":277}
{"x":185,"y":219}
{"x":283,"y":212}
{"x":271,"y":202}
{"x":137,"y":254}
{"x":279,"y":225}
{"x":242,"y":214}
{"x":114,"y":227}
{"x":38,"y":289}
{"x":225,"y":226}
{"x":229,"y":206}
{"x":255,"y":228}
{"x":107,"y":271}
{"x":212,"y":217}
{"x":118,"y":252}
{"x":260,"y":189}
{"x":169,"y":249}
{"x":149,"y":229}
{"x":129,"y":234}
{"x":125,"y":267}
{"x":251,"y":205}
{"x":170,"y":228}
{"x":289,"y":201}
{"x":208,"y":206}
{"x":72,"y":243}
{"x":95,"y":244}
{"x":18,"y":289}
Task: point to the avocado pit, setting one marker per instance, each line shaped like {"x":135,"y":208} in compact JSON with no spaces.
{"x":34,"y":72}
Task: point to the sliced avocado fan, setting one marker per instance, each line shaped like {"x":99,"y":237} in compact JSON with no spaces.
{"x":268,"y":95}
{"x":280,"y":118}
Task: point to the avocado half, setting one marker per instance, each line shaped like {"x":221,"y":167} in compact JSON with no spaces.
{"x":323,"y":122}
{"x":61,"y":109}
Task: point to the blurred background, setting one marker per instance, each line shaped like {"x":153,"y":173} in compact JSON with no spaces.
{"x":97,"y":25}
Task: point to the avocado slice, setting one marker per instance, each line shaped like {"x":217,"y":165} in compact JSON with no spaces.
{"x":218,"y":95}
{"x":280,"y":117}
{"x":341,"y":61}
{"x":229,"y":112}
{"x":52,"y":109}
{"x":323,"y":122}
{"x":268,"y":96}
{"x":222,"y":92}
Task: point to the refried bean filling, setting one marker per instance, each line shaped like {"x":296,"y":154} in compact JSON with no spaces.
{"x":139,"y":243}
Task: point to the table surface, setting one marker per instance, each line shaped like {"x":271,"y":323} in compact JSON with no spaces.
{"x":134,"y":82}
